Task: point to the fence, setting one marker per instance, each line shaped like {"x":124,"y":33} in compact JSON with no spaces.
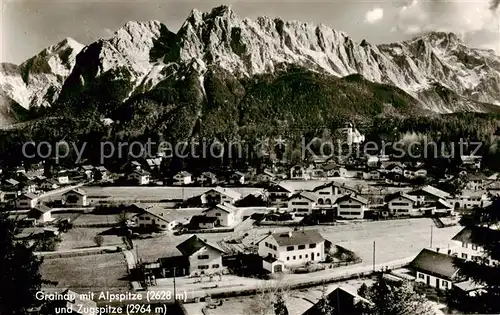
{"x":301,"y":285}
{"x":97,"y":251}
{"x":222,"y":230}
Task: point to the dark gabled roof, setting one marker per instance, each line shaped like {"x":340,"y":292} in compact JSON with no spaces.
{"x":270,"y":259}
{"x":29,"y":195}
{"x":42,"y":208}
{"x":432,"y":191}
{"x":141,"y":172}
{"x":304,"y":194}
{"x":78,"y":191}
{"x":353,"y":197}
{"x":400,"y":194}
{"x":194,"y":244}
{"x":228,"y":208}
{"x":298,"y":237}
{"x":434,"y":263}
{"x":335,"y":184}
{"x":477,"y":235}
{"x":197,"y":219}
{"x":102,"y":169}
{"x":279,"y":188}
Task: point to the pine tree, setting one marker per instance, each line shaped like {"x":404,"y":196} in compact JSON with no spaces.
{"x":19,"y":272}
{"x":484,"y":226}
{"x":324,"y":306}
{"x":279,"y":305}
{"x":395,"y":299}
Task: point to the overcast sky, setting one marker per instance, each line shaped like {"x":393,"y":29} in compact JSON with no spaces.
{"x":29,"y":26}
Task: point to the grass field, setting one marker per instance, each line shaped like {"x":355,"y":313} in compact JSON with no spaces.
{"x":88,"y":273}
{"x":128,"y":194}
{"x":84,"y":237}
{"x":394,"y":239}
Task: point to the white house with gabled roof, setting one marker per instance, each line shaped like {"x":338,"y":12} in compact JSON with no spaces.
{"x":76,"y":198}
{"x":428,"y":194}
{"x":219,"y":195}
{"x":225,"y":214}
{"x":402,"y":204}
{"x":183,"y":178}
{"x":279,"y":192}
{"x":158,"y":217}
{"x":351,"y":206}
{"x":293,"y":248}
{"x":142,"y":177}
{"x":27,"y":201}
{"x":302,"y":203}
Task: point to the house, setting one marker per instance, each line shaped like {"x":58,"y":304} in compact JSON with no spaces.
{"x":207,"y":179}
{"x":278,"y":192}
{"x":154,"y":164}
{"x":467,"y":243}
{"x":219,"y":195}
{"x":49,"y":184}
{"x":183,"y":178}
{"x":371,"y":175}
{"x":101,"y":173}
{"x":469,"y":199}
{"x":471,"y":161}
{"x":203,"y":222}
{"x":435,"y":269}
{"x":237,"y":178}
{"x":62,"y":179}
{"x":372,"y":161}
{"x":331,"y":169}
{"x":476,"y":181}
{"x":141,"y":176}
{"x":293,"y":248}
{"x":342,"y":299}
{"x":88,"y":170}
{"x":393,"y":167}
{"x":401,"y":204}
{"x":351,"y":206}
{"x":329,"y":192}
{"x":75,"y":198}
{"x":26,"y":201}
{"x":352,"y":135}
{"x":297,"y":172}
{"x":42,"y":214}
{"x":422,"y":172}
{"x":442,"y":207}
{"x":135,"y":165}
{"x":429,"y":194}
{"x":315,"y":173}
{"x":302,"y":203}
{"x":12,"y":184}
{"x":157,"y":217}
{"x":224,"y":213}
{"x":201,"y":257}
{"x":20,"y":170}
{"x":28,"y":186}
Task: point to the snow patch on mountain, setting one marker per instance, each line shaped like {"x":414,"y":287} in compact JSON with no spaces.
{"x":38,"y":80}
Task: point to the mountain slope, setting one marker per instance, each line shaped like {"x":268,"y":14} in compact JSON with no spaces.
{"x":143,"y":59}
{"x":422,"y":66}
{"x":38,"y":80}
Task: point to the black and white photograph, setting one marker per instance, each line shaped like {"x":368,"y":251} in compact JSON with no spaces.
{"x":285,"y":157}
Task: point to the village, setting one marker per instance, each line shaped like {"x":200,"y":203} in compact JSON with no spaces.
{"x":207,"y":237}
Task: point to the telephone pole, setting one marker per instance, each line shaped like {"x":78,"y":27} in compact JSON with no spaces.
{"x":432,"y":227}
{"x":373,"y":256}
{"x":174,"y":287}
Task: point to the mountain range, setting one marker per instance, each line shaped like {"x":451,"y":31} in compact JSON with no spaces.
{"x":220,"y":72}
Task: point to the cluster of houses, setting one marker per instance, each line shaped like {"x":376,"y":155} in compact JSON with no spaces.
{"x":436,"y":267}
{"x":346,"y":202}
